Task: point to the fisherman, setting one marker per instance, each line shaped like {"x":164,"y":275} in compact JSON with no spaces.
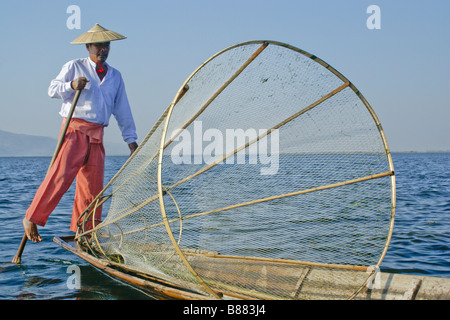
{"x":82,"y":154}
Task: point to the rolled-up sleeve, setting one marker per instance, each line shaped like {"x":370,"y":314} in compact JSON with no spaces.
{"x":123,"y":115}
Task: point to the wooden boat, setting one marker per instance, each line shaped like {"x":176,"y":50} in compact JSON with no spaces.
{"x":387,"y":286}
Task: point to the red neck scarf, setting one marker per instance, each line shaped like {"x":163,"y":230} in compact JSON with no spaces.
{"x":101,"y":70}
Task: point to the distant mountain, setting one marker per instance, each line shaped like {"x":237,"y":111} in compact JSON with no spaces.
{"x":23,"y":145}
{"x":15,"y":145}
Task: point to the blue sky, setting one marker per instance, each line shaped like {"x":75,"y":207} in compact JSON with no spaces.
{"x":402,"y":69}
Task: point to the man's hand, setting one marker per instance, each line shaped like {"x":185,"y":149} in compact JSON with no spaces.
{"x":79,"y":84}
{"x":133,"y":146}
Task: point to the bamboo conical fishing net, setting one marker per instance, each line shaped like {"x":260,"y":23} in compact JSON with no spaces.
{"x":268,"y":177}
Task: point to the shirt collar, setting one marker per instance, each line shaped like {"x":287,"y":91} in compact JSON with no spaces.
{"x":94,"y":65}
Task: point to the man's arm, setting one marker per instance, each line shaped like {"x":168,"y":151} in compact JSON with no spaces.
{"x":124,"y":117}
{"x":61,"y":86}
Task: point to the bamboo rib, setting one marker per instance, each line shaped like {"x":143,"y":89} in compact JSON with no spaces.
{"x":219,"y":91}
{"x":330,"y":186}
{"x":297,"y":262}
{"x":280,"y":196}
{"x":282,"y":123}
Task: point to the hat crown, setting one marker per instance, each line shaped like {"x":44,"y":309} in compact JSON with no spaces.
{"x":97,"y":28}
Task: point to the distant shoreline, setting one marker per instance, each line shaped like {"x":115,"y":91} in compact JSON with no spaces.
{"x":126,"y":155}
{"x":108,"y":155}
{"x":426,"y":152}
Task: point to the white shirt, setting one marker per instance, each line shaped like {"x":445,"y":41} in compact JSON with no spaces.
{"x":98,"y":100}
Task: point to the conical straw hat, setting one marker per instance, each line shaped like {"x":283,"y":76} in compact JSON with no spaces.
{"x":98,"y":34}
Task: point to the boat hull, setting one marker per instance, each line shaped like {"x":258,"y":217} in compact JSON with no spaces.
{"x":386,"y":286}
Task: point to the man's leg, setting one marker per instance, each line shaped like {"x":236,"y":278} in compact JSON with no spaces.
{"x":61,"y":175}
{"x":89,"y":184}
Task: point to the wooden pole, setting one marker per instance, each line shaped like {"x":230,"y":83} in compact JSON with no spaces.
{"x":18,"y":256}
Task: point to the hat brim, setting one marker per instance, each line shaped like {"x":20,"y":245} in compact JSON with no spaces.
{"x":97,"y":37}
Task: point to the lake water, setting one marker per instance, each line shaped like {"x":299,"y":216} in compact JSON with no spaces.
{"x":420,"y":243}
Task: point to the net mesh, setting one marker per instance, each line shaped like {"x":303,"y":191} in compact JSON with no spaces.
{"x":267,"y":177}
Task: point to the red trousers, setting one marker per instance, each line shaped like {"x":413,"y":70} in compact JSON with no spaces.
{"x":82,"y":156}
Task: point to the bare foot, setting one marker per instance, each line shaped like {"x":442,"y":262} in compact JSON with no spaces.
{"x":31,"y":231}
